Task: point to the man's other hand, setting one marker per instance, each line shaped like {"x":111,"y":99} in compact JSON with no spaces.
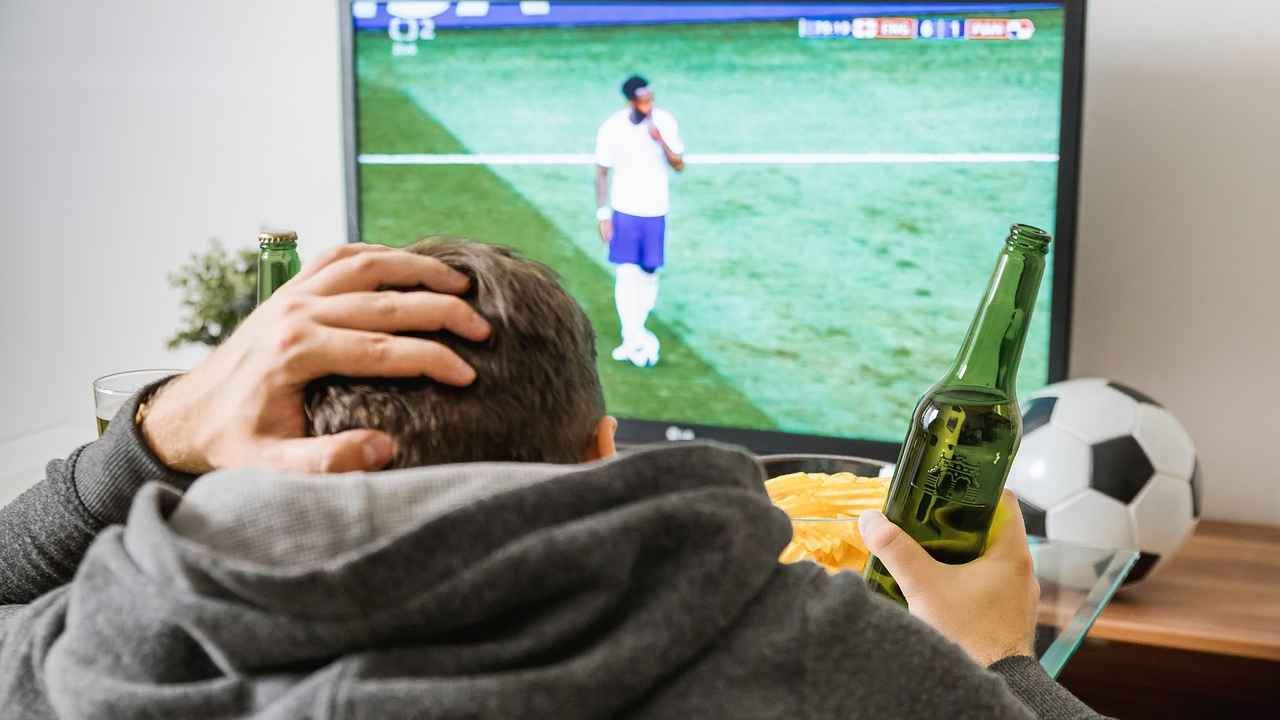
{"x":243,"y":405}
{"x":986,"y":606}
{"x":606,"y":231}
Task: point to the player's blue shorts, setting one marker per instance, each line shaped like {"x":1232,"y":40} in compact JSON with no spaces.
{"x":638,"y":240}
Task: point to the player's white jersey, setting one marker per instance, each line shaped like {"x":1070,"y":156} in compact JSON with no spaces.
{"x":639,"y":167}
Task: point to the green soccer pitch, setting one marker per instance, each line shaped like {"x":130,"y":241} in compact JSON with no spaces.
{"x":812,"y":298}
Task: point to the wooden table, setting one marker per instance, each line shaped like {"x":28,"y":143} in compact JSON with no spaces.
{"x":1220,"y":595}
{"x":1201,"y":638}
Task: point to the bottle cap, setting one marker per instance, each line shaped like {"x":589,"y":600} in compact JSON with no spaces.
{"x":277,"y":237}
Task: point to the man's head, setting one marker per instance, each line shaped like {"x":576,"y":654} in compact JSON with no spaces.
{"x":536,"y":397}
{"x":637,"y":92}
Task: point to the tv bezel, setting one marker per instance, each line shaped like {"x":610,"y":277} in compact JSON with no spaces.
{"x":638,"y":431}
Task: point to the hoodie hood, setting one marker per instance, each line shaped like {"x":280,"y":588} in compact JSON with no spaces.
{"x":476,"y":590}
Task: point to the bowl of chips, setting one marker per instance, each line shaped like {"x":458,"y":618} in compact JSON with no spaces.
{"x":824,"y":495}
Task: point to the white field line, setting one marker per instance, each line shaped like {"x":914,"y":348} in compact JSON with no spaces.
{"x":712,"y":158}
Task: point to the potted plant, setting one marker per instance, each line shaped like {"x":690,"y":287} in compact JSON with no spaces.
{"x":218,"y":291}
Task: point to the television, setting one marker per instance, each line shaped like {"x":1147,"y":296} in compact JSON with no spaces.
{"x":847,"y":172}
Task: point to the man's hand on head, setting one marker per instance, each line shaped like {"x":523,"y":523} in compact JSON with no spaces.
{"x":242,"y":406}
{"x":987,"y":606}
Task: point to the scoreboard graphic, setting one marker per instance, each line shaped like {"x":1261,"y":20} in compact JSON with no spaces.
{"x":910,"y":28}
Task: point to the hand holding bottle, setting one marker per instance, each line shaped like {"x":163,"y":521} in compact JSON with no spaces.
{"x":986,"y":606}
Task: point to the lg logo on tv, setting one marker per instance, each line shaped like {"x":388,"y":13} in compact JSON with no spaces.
{"x":678,"y":433}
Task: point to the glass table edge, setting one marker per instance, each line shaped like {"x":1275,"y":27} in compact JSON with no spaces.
{"x":1073,"y":634}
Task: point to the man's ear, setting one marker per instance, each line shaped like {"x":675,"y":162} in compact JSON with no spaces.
{"x":601,"y":444}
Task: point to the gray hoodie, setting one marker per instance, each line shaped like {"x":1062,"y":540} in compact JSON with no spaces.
{"x":646,"y":587}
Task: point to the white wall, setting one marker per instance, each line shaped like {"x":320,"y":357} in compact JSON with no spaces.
{"x":133,"y":131}
{"x":1176,"y":274}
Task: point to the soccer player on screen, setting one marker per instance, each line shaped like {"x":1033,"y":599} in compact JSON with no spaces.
{"x":638,"y":143}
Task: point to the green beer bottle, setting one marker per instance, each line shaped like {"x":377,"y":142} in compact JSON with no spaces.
{"x":277,"y":260}
{"x":965,"y":430}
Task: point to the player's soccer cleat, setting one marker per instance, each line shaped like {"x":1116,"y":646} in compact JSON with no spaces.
{"x":643,"y":353}
{"x":651,"y":344}
{"x":642,"y":358}
{"x":646,"y":354}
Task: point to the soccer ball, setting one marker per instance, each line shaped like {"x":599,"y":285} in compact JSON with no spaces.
{"x":1103,"y":465}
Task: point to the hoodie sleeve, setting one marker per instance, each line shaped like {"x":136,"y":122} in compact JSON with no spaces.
{"x":1033,"y":686}
{"x":868,"y":658}
{"x":45,"y":531}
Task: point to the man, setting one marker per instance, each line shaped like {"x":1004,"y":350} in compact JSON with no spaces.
{"x":644,"y":586}
{"x":637,"y":144}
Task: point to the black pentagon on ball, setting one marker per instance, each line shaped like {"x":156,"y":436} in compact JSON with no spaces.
{"x":1037,"y":413}
{"x":1120,"y":468}
{"x":1135,"y":394}
{"x":1032,"y":518}
{"x":1145,"y":562}
{"x":1195,"y":491}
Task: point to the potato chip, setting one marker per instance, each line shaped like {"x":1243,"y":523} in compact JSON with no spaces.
{"x":824,"y":510}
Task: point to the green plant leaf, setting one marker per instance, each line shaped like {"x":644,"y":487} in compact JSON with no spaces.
{"x":217,"y":290}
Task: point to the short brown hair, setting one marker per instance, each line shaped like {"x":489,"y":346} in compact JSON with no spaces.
{"x":536,"y":397}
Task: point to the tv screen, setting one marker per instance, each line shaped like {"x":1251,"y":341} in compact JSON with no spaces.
{"x":803,"y":201}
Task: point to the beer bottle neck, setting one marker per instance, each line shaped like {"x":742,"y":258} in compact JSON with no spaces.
{"x":992,"y":349}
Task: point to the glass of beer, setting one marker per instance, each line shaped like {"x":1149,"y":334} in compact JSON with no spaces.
{"x":110,"y":392}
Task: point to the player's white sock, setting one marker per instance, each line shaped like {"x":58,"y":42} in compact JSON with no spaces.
{"x":647,"y":293}
{"x":647,"y":299}
{"x":635,"y":294}
{"x":628,"y":297}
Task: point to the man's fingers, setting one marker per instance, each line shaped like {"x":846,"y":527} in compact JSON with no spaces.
{"x":1008,"y":536}
{"x":909,"y":564}
{"x":348,"y":451}
{"x":394,"y":311}
{"x":333,"y":255}
{"x":373,"y":270}
{"x":358,"y":353}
